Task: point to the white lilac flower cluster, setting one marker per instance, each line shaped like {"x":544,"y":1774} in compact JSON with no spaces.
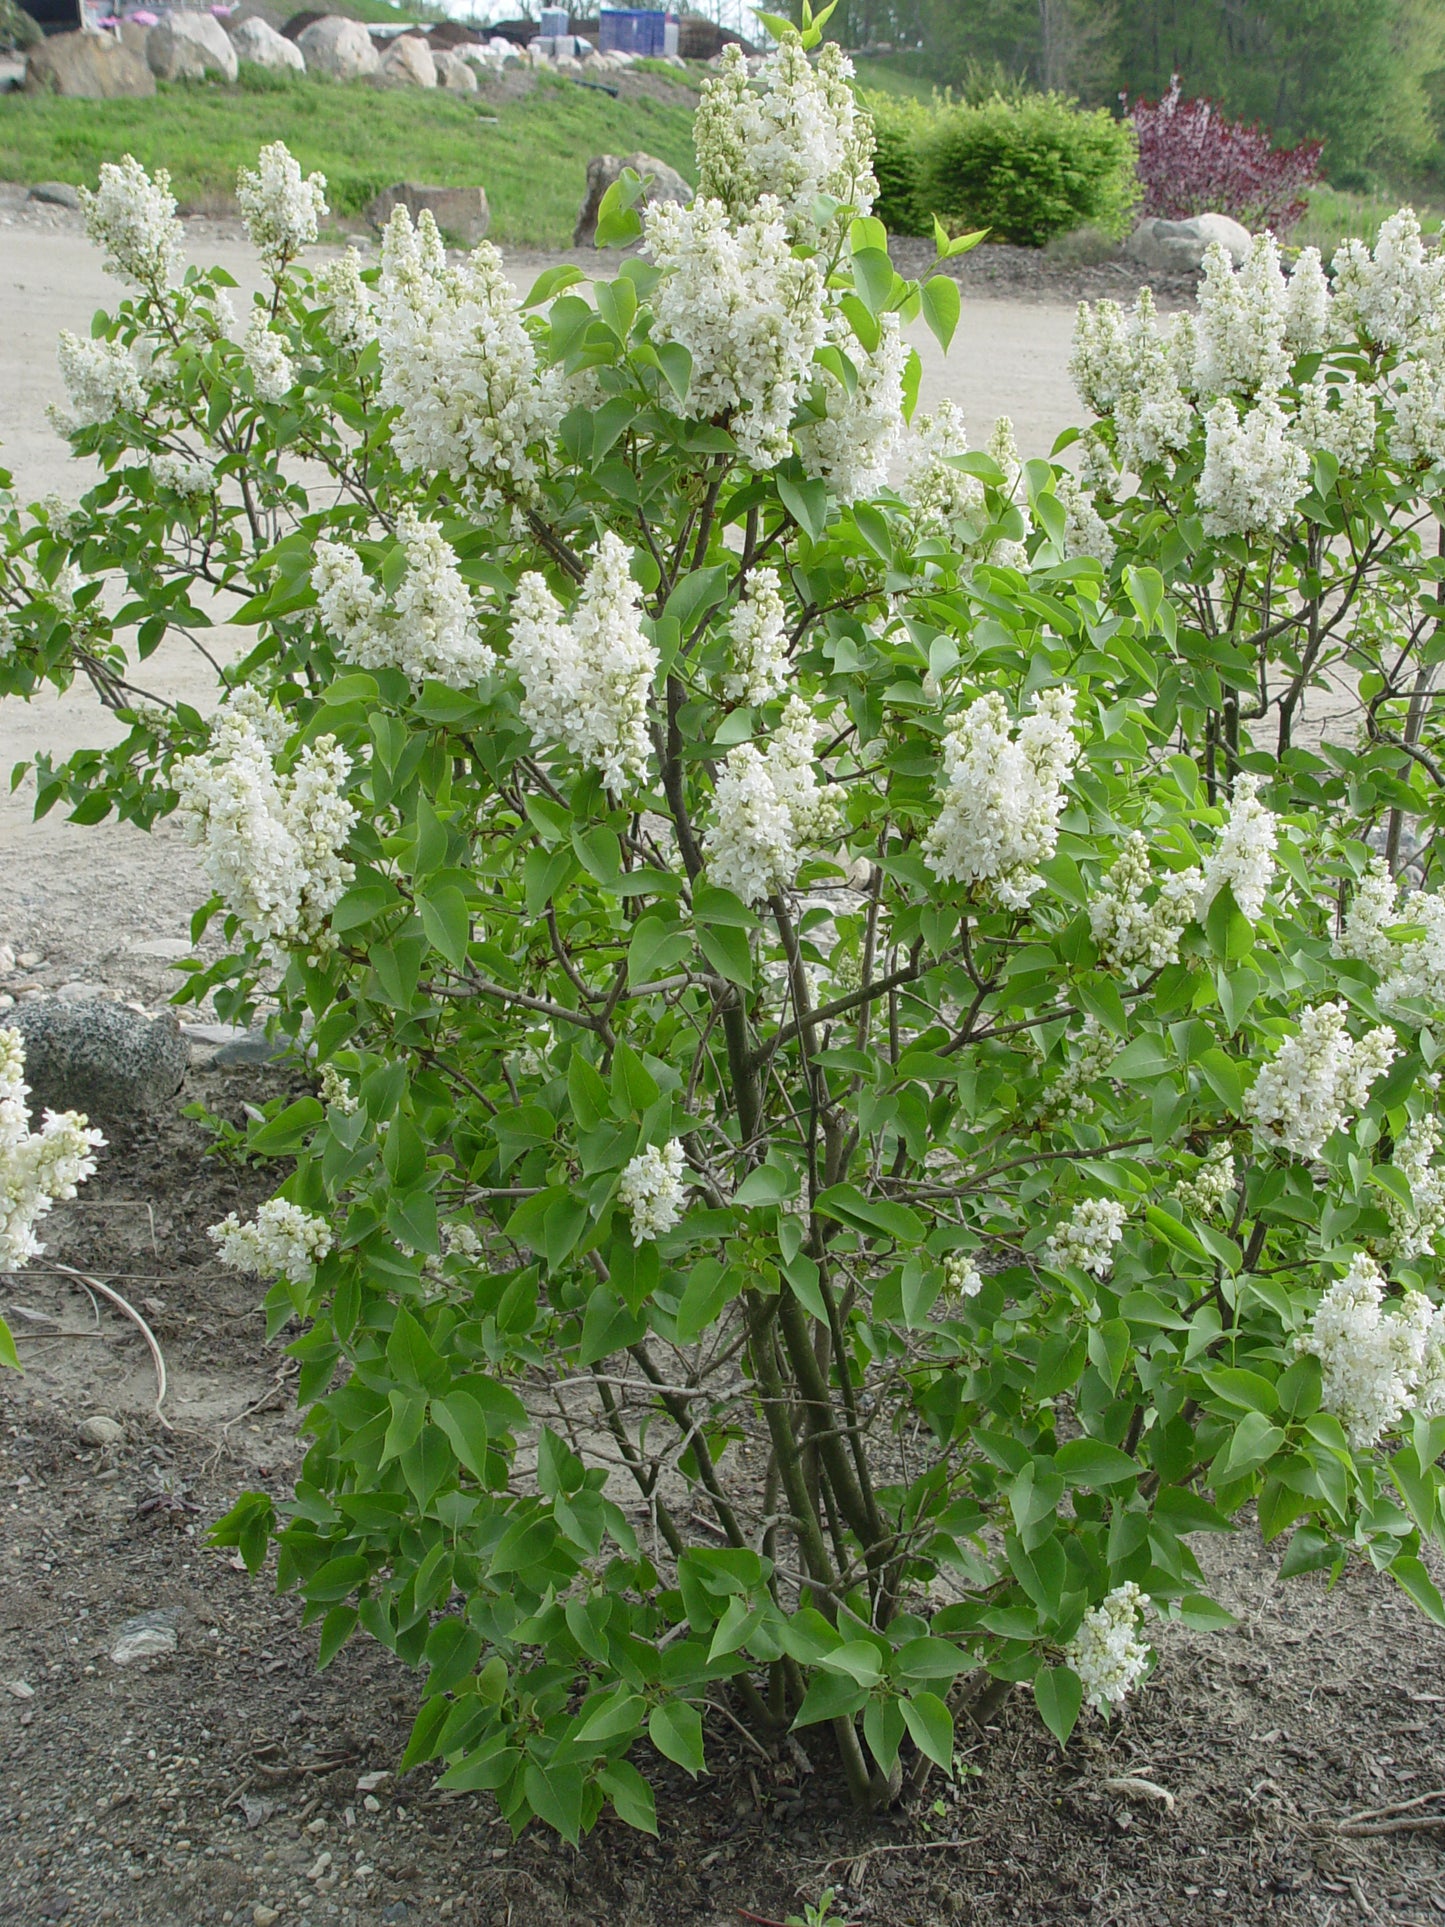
{"x":181,"y":475}
{"x":281,"y":1241}
{"x":768,"y":809}
{"x":133,"y":218}
{"x":961,"y":1276}
{"x":426,"y":628}
{"x":1254,"y":472}
{"x":1107,"y":1653}
{"x":271,"y":842}
{"x":936,"y":491}
{"x":652,"y":1190}
{"x":1088,"y":1236}
{"x":1243,"y":320}
{"x":37,"y":1168}
{"x":281,"y":209}
{"x":1128,"y":368}
{"x":1416,"y":1226}
{"x":1392,"y":296}
{"x":1376,"y":1363}
{"x":1002,"y":794}
{"x":1085,"y":530}
{"x":1211,"y":1185}
{"x":1094,"y":1051}
{"x":758,"y":635}
{"x":1244,"y":855}
{"x":796,"y":133}
{"x":586,"y":678}
{"x":1417,"y":426}
{"x":264,"y":353}
{"x":1134,"y":931}
{"x":1337,"y":417}
{"x":1316,"y":1081}
{"x":459,"y":364}
{"x":100,"y":378}
{"x":336,"y":1091}
{"x":1412,"y":966}
{"x":851,"y":445}
{"x":351,"y":319}
{"x":748,"y":312}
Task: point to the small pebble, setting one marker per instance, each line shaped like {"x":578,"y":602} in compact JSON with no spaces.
{"x":100,"y":1430}
{"x":262,"y":1916}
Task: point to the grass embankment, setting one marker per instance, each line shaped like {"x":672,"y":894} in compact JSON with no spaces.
{"x":529,"y":149}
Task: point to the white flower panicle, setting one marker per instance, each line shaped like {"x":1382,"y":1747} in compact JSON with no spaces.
{"x":1418,"y":1225}
{"x":351,"y":322}
{"x":1417,"y":427}
{"x":1135,"y":931}
{"x":182,"y":476}
{"x":1107,"y":1653}
{"x":758,"y":638}
{"x":768,"y":809}
{"x":336,"y":1091}
{"x":281,"y":1241}
{"x":40,"y":1168}
{"x":1375,"y":1363}
{"x":1244,"y":855}
{"x":961,"y":1276}
{"x":1242,"y":321}
{"x":851,"y":446}
{"x":1002,"y":794}
{"x":749,"y":314}
{"x":1088,"y":1236}
{"x":265,"y":354}
{"x":271,"y":842}
{"x":1254,"y":471}
{"x":133,"y":218}
{"x":428,"y":627}
{"x":100,"y":378}
{"x":1338,"y":417}
{"x":1308,"y":321}
{"x":459,"y":364}
{"x":1095,"y":1050}
{"x":1392,"y":296}
{"x":1085,"y":530}
{"x":794,"y":134}
{"x":938,"y":493}
{"x":1212,"y":1185}
{"x":1412,"y":966}
{"x":1316,"y":1081}
{"x":281,"y":209}
{"x":1130,"y":369}
{"x":586,"y":679}
{"x":652,"y":1190}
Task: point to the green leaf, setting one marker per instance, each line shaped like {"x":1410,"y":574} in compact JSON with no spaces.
{"x":675,"y":1729}
{"x":873,"y":277}
{"x":858,"y":1659}
{"x":657,"y":944}
{"x":630,"y":1795}
{"x":8,"y":1354}
{"x":1255,"y":1441}
{"x":1059,"y":1695}
{"x":942,"y":306}
{"x":848,"y":1205}
{"x":729,"y":953}
{"x":447,"y":922}
{"x":807,"y":503}
{"x":1090,"y":1462}
{"x":1408,"y":1573}
{"x":930,"y":1727}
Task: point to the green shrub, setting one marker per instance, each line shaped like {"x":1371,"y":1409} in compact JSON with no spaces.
{"x":900,"y":126}
{"x":1030,"y":169}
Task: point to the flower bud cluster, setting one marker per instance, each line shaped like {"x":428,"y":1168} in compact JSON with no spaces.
{"x":961,"y":1276}
{"x":1411,"y":966}
{"x":652,"y":1190}
{"x":1088,"y":1236}
{"x":758,"y":633}
{"x":938,"y":493}
{"x":265,"y":355}
{"x":281,"y":1241}
{"x":1107,"y":1653}
{"x":181,"y":476}
{"x":1376,"y":1364}
{"x":1244,"y":855}
{"x":1316,"y":1081}
{"x":426,"y":628}
{"x":1002,"y":795}
{"x":1212,"y":1185}
{"x":38,"y":1169}
{"x":1136,"y":932}
{"x":852,"y":444}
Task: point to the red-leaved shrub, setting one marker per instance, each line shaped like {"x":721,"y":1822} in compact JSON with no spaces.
{"x":1193,"y":159}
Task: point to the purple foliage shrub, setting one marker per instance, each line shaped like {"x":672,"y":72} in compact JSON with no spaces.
{"x":1193,"y":159}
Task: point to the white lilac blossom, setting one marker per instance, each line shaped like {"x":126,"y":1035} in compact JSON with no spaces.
{"x":427,"y":627}
{"x":271,"y":842}
{"x":1316,"y":1081}
{"x":1130,"y":369}
{"x":1241,"y":322}
{"x":1416,"y":1226}
{"x":265,"y":355}
{"x":1211,"y":1185}
{"x":459,"y":364}
{"x":961,"y":1276}
{"x":351,"y":319}
{"x":586,"y":678}
{"x":1376,"y":1363}
{"x":1137,"y":925}
{"x":1095,"y":1049}
{"x":1106,"y":1652}
{"x":1338,"y":417}
{"x":1085,"y":530}
{"x":1244,"y":855}
{"x":1392,"y":296}
{"x":1088,"y":1236}
{"x":1002,"y":793}
{"x":1411,"y":966}
{"x":1254,"y":471}
{"x":748,"y":312}
{"x":38,"y":1169}
{"x":758,"y":641}
{"x":133,"y":218}
{"x":281,"y":1240}
{"x":794,"y":134}
{"x":336,"y":1091}
{"x":182,"y":476}
{"x":768,"y":809}
{"x":281,"y":209}
{"x":100,"y":378}
{"x":851,"y":446}
{"x":938,"y":493}
{"x":1417,"y":426}
{"x":651,"y":1190}
{"x":1307,"y":318}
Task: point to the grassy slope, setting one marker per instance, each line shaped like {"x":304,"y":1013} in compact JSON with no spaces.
{"x":532,"y":162}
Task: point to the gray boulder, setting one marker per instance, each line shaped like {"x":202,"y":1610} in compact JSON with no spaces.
{"x":98,"y":1058}
{"x":666,"y":184}
{"x":455,"y":74}
{"x":87,"y":66}
{"x":339,"y":48}
{"x":190,"y":46}
{"x":258,"y":42}
{"x":55,"y":194}
{"x":1178,"y":247}
{"x":460,"y":212}
{"x":408,"y":62}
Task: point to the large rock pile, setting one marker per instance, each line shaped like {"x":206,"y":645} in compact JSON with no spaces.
{"x":87,"y":66}
{"x":258,"y":42}
{"x":338,"y":48}
{"x":189,"y":46}
{"x":1178,"y":247}
{"x":408,"y":62}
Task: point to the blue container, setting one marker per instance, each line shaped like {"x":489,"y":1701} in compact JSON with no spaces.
{"x":553,"y":22}
{"x":634,"y":30}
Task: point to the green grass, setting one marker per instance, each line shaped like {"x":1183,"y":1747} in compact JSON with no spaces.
{"x":1334,"y":217}
{"x":883,"y":74}
{"x":532,"y":162}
